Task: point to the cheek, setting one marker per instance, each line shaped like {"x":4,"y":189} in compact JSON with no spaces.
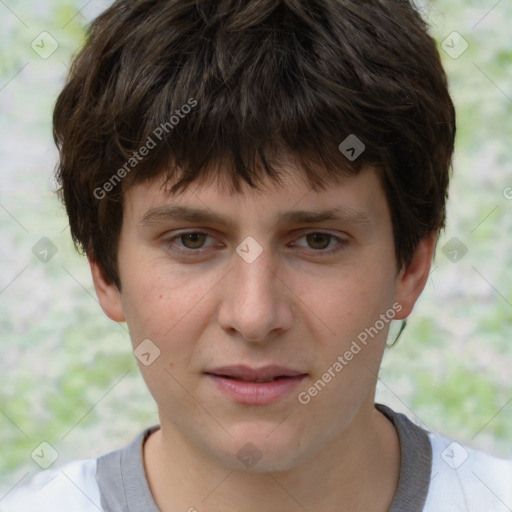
{"x":170,"y":308}
{"x":350,"y":301}
{"x":172,"y":312}
{"x":350,"y":348}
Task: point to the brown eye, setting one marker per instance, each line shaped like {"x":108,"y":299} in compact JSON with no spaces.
{"x":193,"y":240}
{"x":318,"y":240}
{"x":319,"y":243}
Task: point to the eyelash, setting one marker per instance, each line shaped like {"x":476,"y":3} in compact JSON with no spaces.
{"x":170,"y":243}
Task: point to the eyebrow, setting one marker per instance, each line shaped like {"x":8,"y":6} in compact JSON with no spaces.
{"x":197,"y":215}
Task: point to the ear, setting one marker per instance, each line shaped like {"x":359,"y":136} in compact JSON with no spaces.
{"x":412,"y":278}
{"x":108,"y":294}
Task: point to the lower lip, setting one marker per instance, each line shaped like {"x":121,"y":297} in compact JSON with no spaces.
{"x":256,"y":393}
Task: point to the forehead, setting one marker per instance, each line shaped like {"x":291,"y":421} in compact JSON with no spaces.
{"x":359,"y":197}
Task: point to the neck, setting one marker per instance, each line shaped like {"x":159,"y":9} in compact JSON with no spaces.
{"x":357,"y":471}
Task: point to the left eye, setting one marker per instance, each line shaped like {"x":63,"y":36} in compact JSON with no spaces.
{"x":193,"y":240}
{"x":320,"y":241}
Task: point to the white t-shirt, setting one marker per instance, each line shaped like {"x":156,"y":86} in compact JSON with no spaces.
{"x":436,"y":475}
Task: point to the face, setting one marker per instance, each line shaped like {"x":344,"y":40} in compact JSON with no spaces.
{"x":261,"y":317}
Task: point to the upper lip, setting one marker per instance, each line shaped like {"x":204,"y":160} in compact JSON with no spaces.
{"x":242,"y":372}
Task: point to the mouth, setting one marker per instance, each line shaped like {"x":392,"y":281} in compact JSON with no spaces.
{"x":247,"y":374}
{"x":255,"y":386}
{"x":257,"y":381}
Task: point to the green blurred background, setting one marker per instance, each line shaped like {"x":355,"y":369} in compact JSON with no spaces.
{"x":68,"y":374}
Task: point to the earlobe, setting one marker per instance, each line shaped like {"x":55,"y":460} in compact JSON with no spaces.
{"x":108,"y":294}
{"x":412,"y":279}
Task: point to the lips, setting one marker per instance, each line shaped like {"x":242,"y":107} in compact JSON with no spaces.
{"x":247,"y":374}
{"x":255,"y":386}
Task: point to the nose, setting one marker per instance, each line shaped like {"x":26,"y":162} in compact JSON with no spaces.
{"x":256,"y":303}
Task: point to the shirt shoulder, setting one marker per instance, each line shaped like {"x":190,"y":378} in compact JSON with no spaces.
{"x":467,"y":480}
{"x":70,"y":487}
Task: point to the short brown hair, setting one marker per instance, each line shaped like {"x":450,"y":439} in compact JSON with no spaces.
{"x":262,"y":78}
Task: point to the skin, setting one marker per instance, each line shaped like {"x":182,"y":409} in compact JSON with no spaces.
{"x":292,"y":306}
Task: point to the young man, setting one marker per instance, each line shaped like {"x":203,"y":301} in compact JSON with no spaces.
{"x":259,"y":187}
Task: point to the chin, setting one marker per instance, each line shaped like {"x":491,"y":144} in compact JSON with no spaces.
{"x":260,"y":449}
